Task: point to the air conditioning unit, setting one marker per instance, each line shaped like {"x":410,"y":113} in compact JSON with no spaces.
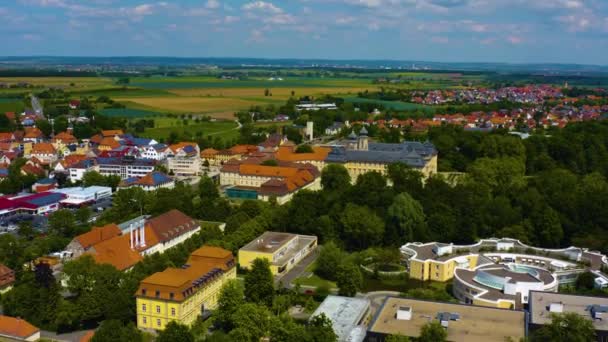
{"x":404,"y":313}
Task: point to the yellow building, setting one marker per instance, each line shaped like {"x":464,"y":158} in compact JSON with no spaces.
{"x":282,"y":250}
{"x":183,"y":294}
{"x":436,"y":261}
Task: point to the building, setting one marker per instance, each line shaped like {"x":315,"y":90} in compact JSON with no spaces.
{"x":42,"y":203}
{"x":77,"y":170}
{"x":126,"y":167}
{"x":154,"y":152}
{"x":316,"y":106}
{"x":83,"y":242}
{"x":504,"y":286}
{"x":359,"y":155}
{"x":263,"y":182}
{"x":463,"y":323}
{"x":7,"y":279}
{"x":543,"y":304}
{"x":316,"y":157}
{"x":80,"y":196}
{"x":143,"y":237}
{"x":44,"y":152}
{"x":282,"y":250}
{"x":16,"y":329}
{"x":183,"y":294}
{"x":150,"y":182}
{"x":348,"y":316}
{"x":44,"y":184}
{"x":184,"y":159}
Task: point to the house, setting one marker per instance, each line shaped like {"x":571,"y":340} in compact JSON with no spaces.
{"x":7,"y":279}
{"x":150,"y":182}
{"x":32,"y":168}
{"x":33,"y":134}
{"x":44,"y":184}
{"x":74,"y":104}
{"x":16,"y":329}
{"x":67,"y":161}
{"x":77,"y":170}
{"x":108,"y":143}
{"x":44,"y":152}
{"x":154,"y":152}
{"x":184,"y":159}
{"x":63,"y":139}
{"x":186,"y":293}
{"x":282,"y":250}
{"x":125,"y":167}
{"x":112,"y":133}
{"x":7,"y":137}
{"x":335,"y":128}
{"x":348,"y":316}
{"x":406,"y":317}
{"x":83,"y":242}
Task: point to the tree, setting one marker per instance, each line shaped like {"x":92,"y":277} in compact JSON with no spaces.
{"x":304,"y":149}
{"x":91,"y":178}
{"x":330,"y":257}
{"x":335,"y":177}
{"x":361,"y":226}
{"x":406,"y":217}
{"x":405,"y":179}
{"x":115,"y":330}
{"x":566,"y":327}
{"x":231,"y":298}
{"x":270,"y":162}
{"x":585,"y":281}
{"x":348,"y":279}
{"x":321,"y":329}
{"x":26,"y":230}
{"x":252,"y":322}
{"x":259,"y":283}
{"x":175,"y":332}
{"x":207,"y":189}
{"x":83,"y":214}
{"x":62,"y":223}
{"x":397,"y":338}
{"x":433,"y":332}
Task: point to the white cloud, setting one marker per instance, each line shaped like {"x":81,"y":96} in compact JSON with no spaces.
{"x":345,"y":20}
{"x":262,"y":6}
{"x":212,"y":4}
{"x":280,"y":19}
{"x":256,"y":36}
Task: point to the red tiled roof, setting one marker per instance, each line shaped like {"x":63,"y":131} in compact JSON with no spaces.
{"x":97,"y":235}
{"x":16,"y":328}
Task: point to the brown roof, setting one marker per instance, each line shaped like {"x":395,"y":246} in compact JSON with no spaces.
{"x":7,"y":276}
{"x":209,"y":152}
{"x":72,"y":159}
{"x":7,"y":136}
{"x":267,"y":171}
{"x":112,"y":133}
{"x":110,"y":142}
{"x":43,"y":148}
{"x":32,"y":170}
{"x":117,"y":252}
{"x":65,"y":137}
{"x":16,"y":328}
{"x":97,"y":235}
{"x":33,"y":132}
{"x":171,"y":224}
{"x":286,"y":153}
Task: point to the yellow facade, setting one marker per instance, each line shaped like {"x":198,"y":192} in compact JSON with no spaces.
{"x":436,"y":270}
{"x":500,"y":304}
{"x":157,"y":313}
{"x":246,"y":259}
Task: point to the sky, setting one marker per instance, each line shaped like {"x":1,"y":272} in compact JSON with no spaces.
{"x":514,"y":31}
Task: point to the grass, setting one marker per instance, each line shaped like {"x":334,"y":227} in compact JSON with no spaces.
{"x":165,"y":126}
{"x":127,"y":112}
{"x":11,"y":105}
{"x":314,"y":280}
{"x":192,"y":104}
{"x":79,"y":83}
{"x":395,"y":105}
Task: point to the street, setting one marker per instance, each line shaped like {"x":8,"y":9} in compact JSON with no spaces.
{"x":298,"y":270}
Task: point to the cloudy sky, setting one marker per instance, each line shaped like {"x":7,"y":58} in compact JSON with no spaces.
{"x":564,"y":31}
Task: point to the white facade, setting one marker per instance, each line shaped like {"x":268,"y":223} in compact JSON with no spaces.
{"x":78,"y":195}
{"x":76,"y":173}
{"x":149,"y":152}
{"x":125,"y":170}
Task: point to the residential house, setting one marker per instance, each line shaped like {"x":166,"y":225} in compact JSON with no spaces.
{"x":44,"y":184}
{"x":150,"y":182}
{"x":83,"y":243}
{"x":44,"y":152}
{"x":7,"y":279}
{"x":33,"y":168}
{"x":184,"y":159}
{"x":17,"y":329}
{"x":77,"y":170}
{"x":33,"y":135}
{"x":154,"y":152}
{"x":74,"y":104}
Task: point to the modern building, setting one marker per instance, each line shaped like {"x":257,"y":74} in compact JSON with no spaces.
{"x":125,"y":167}
{"x":463,"y":323}
{"x":7,"y":279}
{"x":282,"y":250}
{"x":80,"y":196}
{"x":183,"y":294}
{"x":543,"y":305}
{"x":77,"y":170}
{"x":348,"y":316}
{"x":359,"y":155}
{"x":42,"y":203}
{"x":16,"y":329}
{"x":150,"y":182}
{"x":44,"y":184}
{"x":504,"y":286}
{"x":251,"y":181}
{"x":184,"y":159}
{"x":154,"y":152}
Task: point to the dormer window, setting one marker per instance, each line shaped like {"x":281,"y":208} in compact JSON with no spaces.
{"x":171,"y":295}
{"x":143,"y":292}
{"x":157,"y":293}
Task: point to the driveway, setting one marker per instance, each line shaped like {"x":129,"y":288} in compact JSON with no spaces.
{"x":74,"y":336}
{"x":377,"y":298}
{"x":298,"y":269}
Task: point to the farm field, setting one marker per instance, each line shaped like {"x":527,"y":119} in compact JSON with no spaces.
{"x":11,"y":105}
{"x":199,"y":105}
{"x":79,"y":83}
{"x":165,"y":126}
{"x":395,"y":105}
{"x":127,"y":112}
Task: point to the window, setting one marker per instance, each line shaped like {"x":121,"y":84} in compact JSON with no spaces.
{"x":157,"y":293}
{"x":143,"y":292}
{"x":143,"y":307}
{"x":144,"y":320}
{"x":158,"y":309}
{"x":172,"y":311}
{"x":171,"y":295}
{"x":158,"y":322}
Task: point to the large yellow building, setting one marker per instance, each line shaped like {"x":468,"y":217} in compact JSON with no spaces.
{"x":282,"y":250}
{"x":436,"y":261}
{"x":183,"y":294}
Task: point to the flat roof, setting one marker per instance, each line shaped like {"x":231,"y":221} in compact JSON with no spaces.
{"x":269,"y":242}
{"x":91,"y":190}
{"x":475,"y":323}
{"x":539,"y":303}
{"x":344,"y":312}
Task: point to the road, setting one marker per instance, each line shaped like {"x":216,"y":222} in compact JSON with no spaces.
{"x":377,"y":298}
{"x":298,"y":269}
{"x":37,"y":107}
{"x":74,"y":336}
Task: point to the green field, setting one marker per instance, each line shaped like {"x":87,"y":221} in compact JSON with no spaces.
{"x":394,"y":105}
{"x":11,"y":105}
{"x":165,"y":126}
{"x":127,"y":112}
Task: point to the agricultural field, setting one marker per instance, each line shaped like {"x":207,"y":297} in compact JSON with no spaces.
{"x":394,"y":105}
{"x":164,"y":126}
{"x":67,"y":83}
{"x":127,"y":112}
{"x":11,"y":105}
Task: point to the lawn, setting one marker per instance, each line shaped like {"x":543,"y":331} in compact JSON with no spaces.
{"x":11,"y":105}
{"x":127,"y":112}
{"x":165,"y":126}
{"x":314,"y":280}
{"x":199,"y":105}
{"x":395,"y":105}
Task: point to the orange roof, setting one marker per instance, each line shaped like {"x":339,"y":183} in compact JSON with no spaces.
{"x":43,"y":148}
{"x":267,"y":171}
{"x":242,"y":149}
{"x":112,"y":133}
{"x":7,"y":136}
{"x":17,"y":328}
{"x":110,"y":142}
{"x":286,"y":153}
{"x":33,"y":132}
{"x":65,"y":137}
{"x":209,"y":152}
{"x":72,"y":159}
{"x":181,"y":145}
{"x":117,"y":252}
{"x":32,"y":169}
{"x":97,"y":235}
{"x":180,"y":282}
{"x":169,"y":225}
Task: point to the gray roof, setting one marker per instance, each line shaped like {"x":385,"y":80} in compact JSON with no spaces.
{"x":413,"y":154}
{"x":345,"y":314}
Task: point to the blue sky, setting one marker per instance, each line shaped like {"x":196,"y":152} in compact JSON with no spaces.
{"x":519,"y":31}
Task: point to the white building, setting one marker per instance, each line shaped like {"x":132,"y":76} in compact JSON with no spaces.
{"x":78,"y":196}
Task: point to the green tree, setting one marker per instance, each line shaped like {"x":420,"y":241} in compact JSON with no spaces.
{"x":115,"y":330}
{"x":207,"y":189}
{"x":259,"y":283}
{"x":175,"y":332}
{"x":348,"y":279}
{"x":62,"y":222}
{"x":361,"y":226}
{"x":406,"y":218}
{"x":405,"y":179}
{"x":252,"y":322}
{"x":83,"y":214}
{"x":585,"y":281}
{"x":231,"y":298}
{"x":433,"y":332}
{"x":335,"y":177}
{"x":501,"y":175}
{"x":91,"y":178}
{"x":566,"y":327}
{"x":330,"y":257}
{"x":26,"y":230}
{"x":304,"y":149}
{"x":321,"y":329}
